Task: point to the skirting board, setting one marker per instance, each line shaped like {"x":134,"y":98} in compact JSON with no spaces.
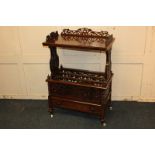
{"x":44,"y":97}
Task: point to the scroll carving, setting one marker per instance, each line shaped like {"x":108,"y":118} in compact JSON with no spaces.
{"x":53,"y":36}
{"x":81,"y":77}
{"x":82,"y":35}
{"x":86,"y":36}
{"x":85,"y":40}
{"x":85,"y":32}
{"x":82,"y":93}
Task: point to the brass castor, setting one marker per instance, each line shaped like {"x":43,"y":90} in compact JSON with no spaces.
{"x":104,"y":124}
{"x":110,"y":108}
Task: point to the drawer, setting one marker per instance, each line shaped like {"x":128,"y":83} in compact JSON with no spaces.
{"x":76,"y":105}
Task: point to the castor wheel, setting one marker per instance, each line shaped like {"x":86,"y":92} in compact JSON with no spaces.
{"x":104,"y":124}
{"x":52,"y":115}
{"x":110,"y":108}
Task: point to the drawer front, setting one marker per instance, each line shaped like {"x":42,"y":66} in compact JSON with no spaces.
{"x":76,"y":105}
{"x":76,"y":92}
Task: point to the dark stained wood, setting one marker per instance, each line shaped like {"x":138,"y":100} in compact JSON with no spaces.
{"x":76,"y":105}
{"x":104,"y":85}
{"x":85,"y":32}
{"x":101,"y":42}
{"x":76,"y":89}
{"x":54,"y":61}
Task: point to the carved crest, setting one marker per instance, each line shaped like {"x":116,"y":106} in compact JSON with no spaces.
{"x":85,"y":40}
{"x":85,"y":32}
{"x":82,"y":35}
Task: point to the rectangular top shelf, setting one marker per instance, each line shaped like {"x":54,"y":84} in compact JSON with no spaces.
{"x":83,"y":38}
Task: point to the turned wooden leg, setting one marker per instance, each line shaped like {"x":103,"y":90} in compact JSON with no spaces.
{"x":102,"y":117}
{"x":103,"y":123}
{"x":50,"y":106}
{"x":109,"y":100}
{"x":110,"y":103}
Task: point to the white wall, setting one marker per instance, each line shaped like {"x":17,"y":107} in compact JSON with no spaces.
{"x":24,"y":62}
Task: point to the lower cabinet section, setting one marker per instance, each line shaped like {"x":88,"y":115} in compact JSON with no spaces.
{"x":80,"y":98}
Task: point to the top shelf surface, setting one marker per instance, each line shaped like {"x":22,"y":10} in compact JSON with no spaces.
{"x":82,"y":38}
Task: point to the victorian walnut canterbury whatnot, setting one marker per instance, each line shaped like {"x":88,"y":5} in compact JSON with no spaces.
{"x":76,"y":89}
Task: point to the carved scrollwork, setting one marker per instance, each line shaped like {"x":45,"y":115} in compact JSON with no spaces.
{"x":81,"y":77}
{"x":82,"y":35}
{"x":85,"y":32}
{"x":85,"y":40}
{"x":53,"y":36}
{"x":82,"y":93}
{"x":85,"y":35}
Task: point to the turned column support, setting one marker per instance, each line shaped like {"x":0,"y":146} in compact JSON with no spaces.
{"x":108,"y":64}
{"x":54,"y":61}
